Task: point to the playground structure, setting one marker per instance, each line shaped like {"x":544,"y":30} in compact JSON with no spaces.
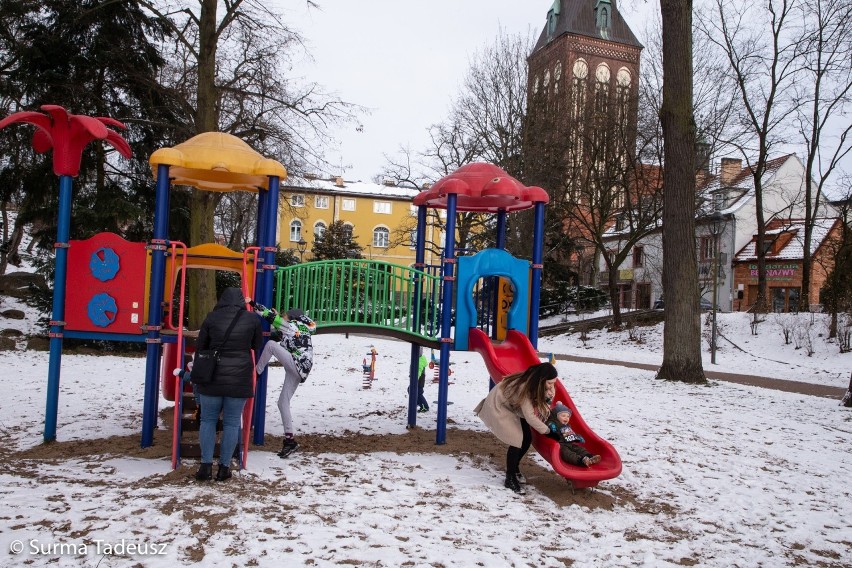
{"x":490,"y":290}
{"x":118,"y":285}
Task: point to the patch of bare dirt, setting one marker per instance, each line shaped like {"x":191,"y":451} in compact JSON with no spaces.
{"x":480,"y":448}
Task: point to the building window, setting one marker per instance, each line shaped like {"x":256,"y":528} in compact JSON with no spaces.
{"x":348,"y":230}
{"x":297,"y":200}
{"x":295,"y":231}
{"x":705,"y":251}
{"x":381,"y":237}
{"x":319,"y":229}
{"x":638,"y":257}
{"x":321,"y":202}
{"x":382,"y":207}
{"x":412,"y":238}
{"x":348,"y":205}
{"x":602,"y":76}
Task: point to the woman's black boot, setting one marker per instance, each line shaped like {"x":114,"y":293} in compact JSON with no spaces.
{"x":512,"y":483}
{"x":223,"y":473}
{"x":205,"y":472}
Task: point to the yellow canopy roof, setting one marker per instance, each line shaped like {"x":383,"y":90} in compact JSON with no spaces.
{"x":215,"y":161}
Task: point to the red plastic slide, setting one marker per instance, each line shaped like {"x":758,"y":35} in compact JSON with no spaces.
{"x":516,"y":354}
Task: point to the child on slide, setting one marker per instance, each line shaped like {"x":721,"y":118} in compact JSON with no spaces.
{"x":570,"y":449}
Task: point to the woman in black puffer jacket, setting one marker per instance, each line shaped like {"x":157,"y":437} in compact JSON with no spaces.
{"x":232,"y":380}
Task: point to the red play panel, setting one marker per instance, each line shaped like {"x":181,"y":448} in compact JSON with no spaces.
{"x":106,"y":285}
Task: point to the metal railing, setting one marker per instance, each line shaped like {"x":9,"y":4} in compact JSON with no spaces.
{"x":363,"y":293}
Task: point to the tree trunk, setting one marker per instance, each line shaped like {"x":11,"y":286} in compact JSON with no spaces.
{"x":4,"y":251}
{"x":11,"y":242}
{"x":682,"y":331}
{"x":614,"y":297}
{"x":202,"y":283}
{"x":847,"y":398}
{"x":762,"y":304}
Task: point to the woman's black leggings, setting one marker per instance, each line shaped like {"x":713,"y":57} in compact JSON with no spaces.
{"x":514,"y":455}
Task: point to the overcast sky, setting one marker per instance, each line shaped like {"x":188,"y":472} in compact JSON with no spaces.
{"x":405,"y":61}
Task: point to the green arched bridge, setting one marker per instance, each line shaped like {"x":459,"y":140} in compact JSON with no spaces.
{"x":357,"y":295}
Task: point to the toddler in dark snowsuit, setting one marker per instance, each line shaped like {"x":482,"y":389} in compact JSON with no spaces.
{"x":570,"y":449}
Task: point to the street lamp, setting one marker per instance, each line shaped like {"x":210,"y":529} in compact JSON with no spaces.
{"x":717,"y":225}
{"x":301,"y":247}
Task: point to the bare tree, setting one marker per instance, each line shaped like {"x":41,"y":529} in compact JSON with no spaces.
{"x":823,"y":97}
{"x":230,"y":59}
{"x":763,"y":64}
{"x":682,"y":332}
{"x":485,"y":123}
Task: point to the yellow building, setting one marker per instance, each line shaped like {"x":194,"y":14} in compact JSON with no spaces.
{"x":382,"y":217}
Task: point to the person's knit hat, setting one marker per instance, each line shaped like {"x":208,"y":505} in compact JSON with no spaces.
{"x":559,"y":408}
{"x":295,"y":313}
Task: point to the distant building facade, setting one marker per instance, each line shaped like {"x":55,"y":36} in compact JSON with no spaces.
{"x":381,"y":216}
{"x":784,"y":246}
{"x":730,"y":192}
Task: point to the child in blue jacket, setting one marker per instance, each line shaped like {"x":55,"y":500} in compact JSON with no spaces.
{"x":570,"y":449}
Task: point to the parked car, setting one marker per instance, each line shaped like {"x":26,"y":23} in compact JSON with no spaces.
{"x":703,"y":305}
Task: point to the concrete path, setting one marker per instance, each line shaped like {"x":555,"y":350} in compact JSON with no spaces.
{"x":748,"y":380}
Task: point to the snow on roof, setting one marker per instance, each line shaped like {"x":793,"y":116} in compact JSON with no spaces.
{"x":793,"y":250}
{"x":742,"y":181}
{"x":342,"y":187}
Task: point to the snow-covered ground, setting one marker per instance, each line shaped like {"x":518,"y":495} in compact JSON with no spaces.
{"x":810,"y":356}
{"x":718,"y":475}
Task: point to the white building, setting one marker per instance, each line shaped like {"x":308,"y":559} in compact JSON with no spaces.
{"x":730,"y":192}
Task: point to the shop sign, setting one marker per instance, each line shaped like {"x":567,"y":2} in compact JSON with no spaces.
{"x":776,"y":271}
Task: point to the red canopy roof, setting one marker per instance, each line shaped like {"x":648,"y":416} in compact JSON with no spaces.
{"x":483,"y":188}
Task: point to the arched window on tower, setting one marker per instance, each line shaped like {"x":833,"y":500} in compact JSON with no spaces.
{"x":578,"y":89}
{"x":602,"y":76}
{"x":623,"y":80}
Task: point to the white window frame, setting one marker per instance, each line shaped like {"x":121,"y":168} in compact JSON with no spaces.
{"x":347,"y":204}
{"x":297,"y":200}
{"x":381,"y":233}
{"x":321,"y":202}
{"x":382,"y":207}
{"x":324,"y":229}
{"x":295,"y":231}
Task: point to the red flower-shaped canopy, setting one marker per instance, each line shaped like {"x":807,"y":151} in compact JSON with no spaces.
{"x":483,"y":188}
{"x":67,"y":134}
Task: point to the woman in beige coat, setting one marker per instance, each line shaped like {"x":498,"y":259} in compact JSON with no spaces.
{"x":518,"y":402}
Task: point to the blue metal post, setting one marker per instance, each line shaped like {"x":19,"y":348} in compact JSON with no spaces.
{"x":446,"y":318}
{"x":419,"y":258}
{"x":269,"y":232}
{"x":501,"y":229}
{"x":259,"y":284}
{"x":56,"y":324}
{"x":535,"y":284}
{"x":155,"y":307}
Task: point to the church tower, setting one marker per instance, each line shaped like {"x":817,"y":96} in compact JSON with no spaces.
{"x":582,"y":92}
